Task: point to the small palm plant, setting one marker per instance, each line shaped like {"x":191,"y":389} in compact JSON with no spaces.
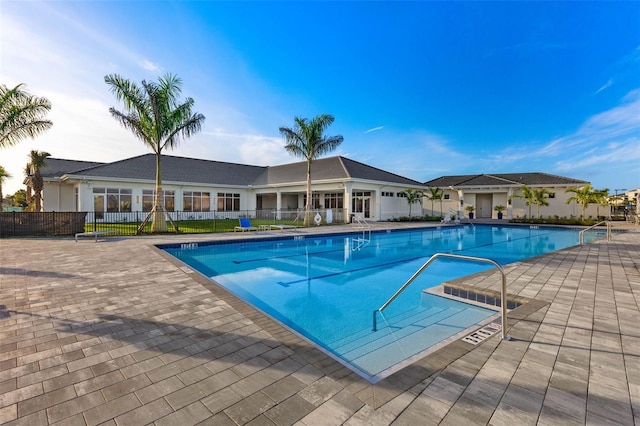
{"x":470,"y":209}
{"x":499,"y":208}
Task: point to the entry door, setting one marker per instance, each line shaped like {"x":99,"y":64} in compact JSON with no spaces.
{"x":484,"y":205}
{"x":98,"y":206}
{"x":361,"y":203}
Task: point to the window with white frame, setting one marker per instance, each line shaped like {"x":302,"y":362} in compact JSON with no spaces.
{"x":334,"y":201}
{"x":388,"y":194}
{"x":315,"y":200}
{"x":228,"y":202}
{"x":149,"y":194}
{"x":196,"y":201}
{"x":111,"y":200}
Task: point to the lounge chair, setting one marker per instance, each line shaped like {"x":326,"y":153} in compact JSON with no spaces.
{"x":446,"y":219}
{"x":245,"y":225}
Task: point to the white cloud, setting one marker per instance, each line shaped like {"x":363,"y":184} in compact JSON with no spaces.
{"x":605,"y":86}
{"x":375,"y":129}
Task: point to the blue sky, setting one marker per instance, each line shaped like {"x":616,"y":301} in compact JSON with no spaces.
{"x":421,"y":89}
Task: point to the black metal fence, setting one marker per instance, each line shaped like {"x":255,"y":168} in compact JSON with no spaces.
{"x":21,"y":224}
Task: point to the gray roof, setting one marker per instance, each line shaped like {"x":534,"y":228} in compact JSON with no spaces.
{"x":56,"y":167}
{"x":181,"y":169}
{"x":176,"y":169}
{"x":503,"y":179}
{"x":331,"y":168}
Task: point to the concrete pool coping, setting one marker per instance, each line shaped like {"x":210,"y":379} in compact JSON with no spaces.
{"x":109,"y":332}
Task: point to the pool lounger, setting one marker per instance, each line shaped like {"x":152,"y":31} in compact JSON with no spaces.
{"x":97,"y":234}
{"x":282,"y":227}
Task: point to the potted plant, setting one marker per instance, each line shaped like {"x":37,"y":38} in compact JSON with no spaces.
{"x":470,"y":209}
{"x":499,"y":208}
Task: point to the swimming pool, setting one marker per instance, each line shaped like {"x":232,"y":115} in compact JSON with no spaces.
{"x":326,"y":287}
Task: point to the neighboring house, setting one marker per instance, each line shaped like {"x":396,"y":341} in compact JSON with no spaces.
{"x":207,"y":188}
{"x":485,"y":191}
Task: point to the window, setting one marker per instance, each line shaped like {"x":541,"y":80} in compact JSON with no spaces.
{"x":315,"y":201}
{"x":334,"y":201}
{"x":111,"y":200}
{"x":447,"y":196}
{"x":551,"y":195}
{"x":387,"y":194}
{"x":147,"y":200}
{"x":402,"y":194}
{"x":195,"y":201}
{"x":228,"y":202}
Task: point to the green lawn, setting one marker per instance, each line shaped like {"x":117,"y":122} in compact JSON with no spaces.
{"x":186,"y":226}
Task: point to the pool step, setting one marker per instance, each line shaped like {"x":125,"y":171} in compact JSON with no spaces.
{"x":411,"y":340}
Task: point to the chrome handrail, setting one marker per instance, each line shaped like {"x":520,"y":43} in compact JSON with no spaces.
{"x":581,"y":233}
{"x":503,"y":289}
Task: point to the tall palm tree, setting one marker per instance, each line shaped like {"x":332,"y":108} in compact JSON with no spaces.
{"x":21,"y":115}
{"x":37,"y":162}
{"x":155,"y":115}
{"x":583,"y":196}
{"x":4,"y":175}
{"x":601,"y":198}
{"x":527,"y":195}
{"x":436,"y":193}
{"x":540,"y":197}
{"x":307,"y":140}
{"x":413,"y":197}
{"x":28,"y":196}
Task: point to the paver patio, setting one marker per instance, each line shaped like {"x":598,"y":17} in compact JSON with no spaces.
{"x":117,"y":333}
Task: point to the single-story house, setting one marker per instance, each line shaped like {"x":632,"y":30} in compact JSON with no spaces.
{"x":205,"y":188}
{"x":486,"y":191}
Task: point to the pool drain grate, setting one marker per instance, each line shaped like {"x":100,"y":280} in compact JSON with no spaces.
{"x":482,"y":334}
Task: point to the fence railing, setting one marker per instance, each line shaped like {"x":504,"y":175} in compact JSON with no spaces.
{"x":22,"y":224}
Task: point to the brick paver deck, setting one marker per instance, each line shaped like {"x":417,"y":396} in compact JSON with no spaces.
{"x":116,"y":333}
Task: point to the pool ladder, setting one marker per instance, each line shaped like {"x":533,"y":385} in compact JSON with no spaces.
{"x":581,"y":233}
{"x":360,"y":242}
{"x":503,"y":289}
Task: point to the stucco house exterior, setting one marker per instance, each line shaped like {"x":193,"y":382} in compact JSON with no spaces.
{"x":205,"y":189}
{"x":485,"y":191}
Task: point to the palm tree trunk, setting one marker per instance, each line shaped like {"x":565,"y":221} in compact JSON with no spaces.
{"x":307,"y":207}
{"x":159,"y":223}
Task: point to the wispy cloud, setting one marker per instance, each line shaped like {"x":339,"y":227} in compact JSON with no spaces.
{"x":374,"y":129}
{"x":605,"y":86}
{"x":150,"y":66}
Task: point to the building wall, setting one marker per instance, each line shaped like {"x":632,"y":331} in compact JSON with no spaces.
{"x":516,"y":207}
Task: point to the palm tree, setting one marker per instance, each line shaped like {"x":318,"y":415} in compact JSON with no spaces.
{"x":37,"y":162}
{"x":435,"y":193}
{"x":527,"y":195}
{"x":3,"y":176}
{"x":413,"y":196}
{"x":540,"y":196}
{"x":27,"y":175}
{"x":21,"y":115}
{"x":155,"y":116}
{"x":307,"y":140}
{"x":583,"y":196}
{"x":601,"y":198}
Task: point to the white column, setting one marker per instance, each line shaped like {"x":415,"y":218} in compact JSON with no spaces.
{"x":278,"y":204}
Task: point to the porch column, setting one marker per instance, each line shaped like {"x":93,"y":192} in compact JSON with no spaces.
{"x":347,"y":201}
{"x":278,"y":204}
{"x":460,"y":204}
{"x":509,"y":204}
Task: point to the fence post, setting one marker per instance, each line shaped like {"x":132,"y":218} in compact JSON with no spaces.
{"x":53,"y":216}
{"x":95,"y":224}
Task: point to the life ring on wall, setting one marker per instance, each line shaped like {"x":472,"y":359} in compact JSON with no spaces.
{"x":317,"y":219}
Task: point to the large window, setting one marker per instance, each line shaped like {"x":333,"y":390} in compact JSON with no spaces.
{"x":194,"y":201}
{"x":315,"y":200}
{"x":111,"y":200}
{"x":334,"y":201}
{"x":147,"y":200}
{"x":228,"y":202}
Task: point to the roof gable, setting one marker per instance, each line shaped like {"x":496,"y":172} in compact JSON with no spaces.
{"x":502,"y":179}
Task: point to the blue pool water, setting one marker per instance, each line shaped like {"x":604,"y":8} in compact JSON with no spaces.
{"x":327,"y":287}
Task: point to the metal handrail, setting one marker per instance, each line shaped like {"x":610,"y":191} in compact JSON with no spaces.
{"x":503,"y":289}
{"x":581,"y":233}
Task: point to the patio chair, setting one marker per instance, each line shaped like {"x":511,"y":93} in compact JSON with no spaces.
{"x":245,"y":225}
